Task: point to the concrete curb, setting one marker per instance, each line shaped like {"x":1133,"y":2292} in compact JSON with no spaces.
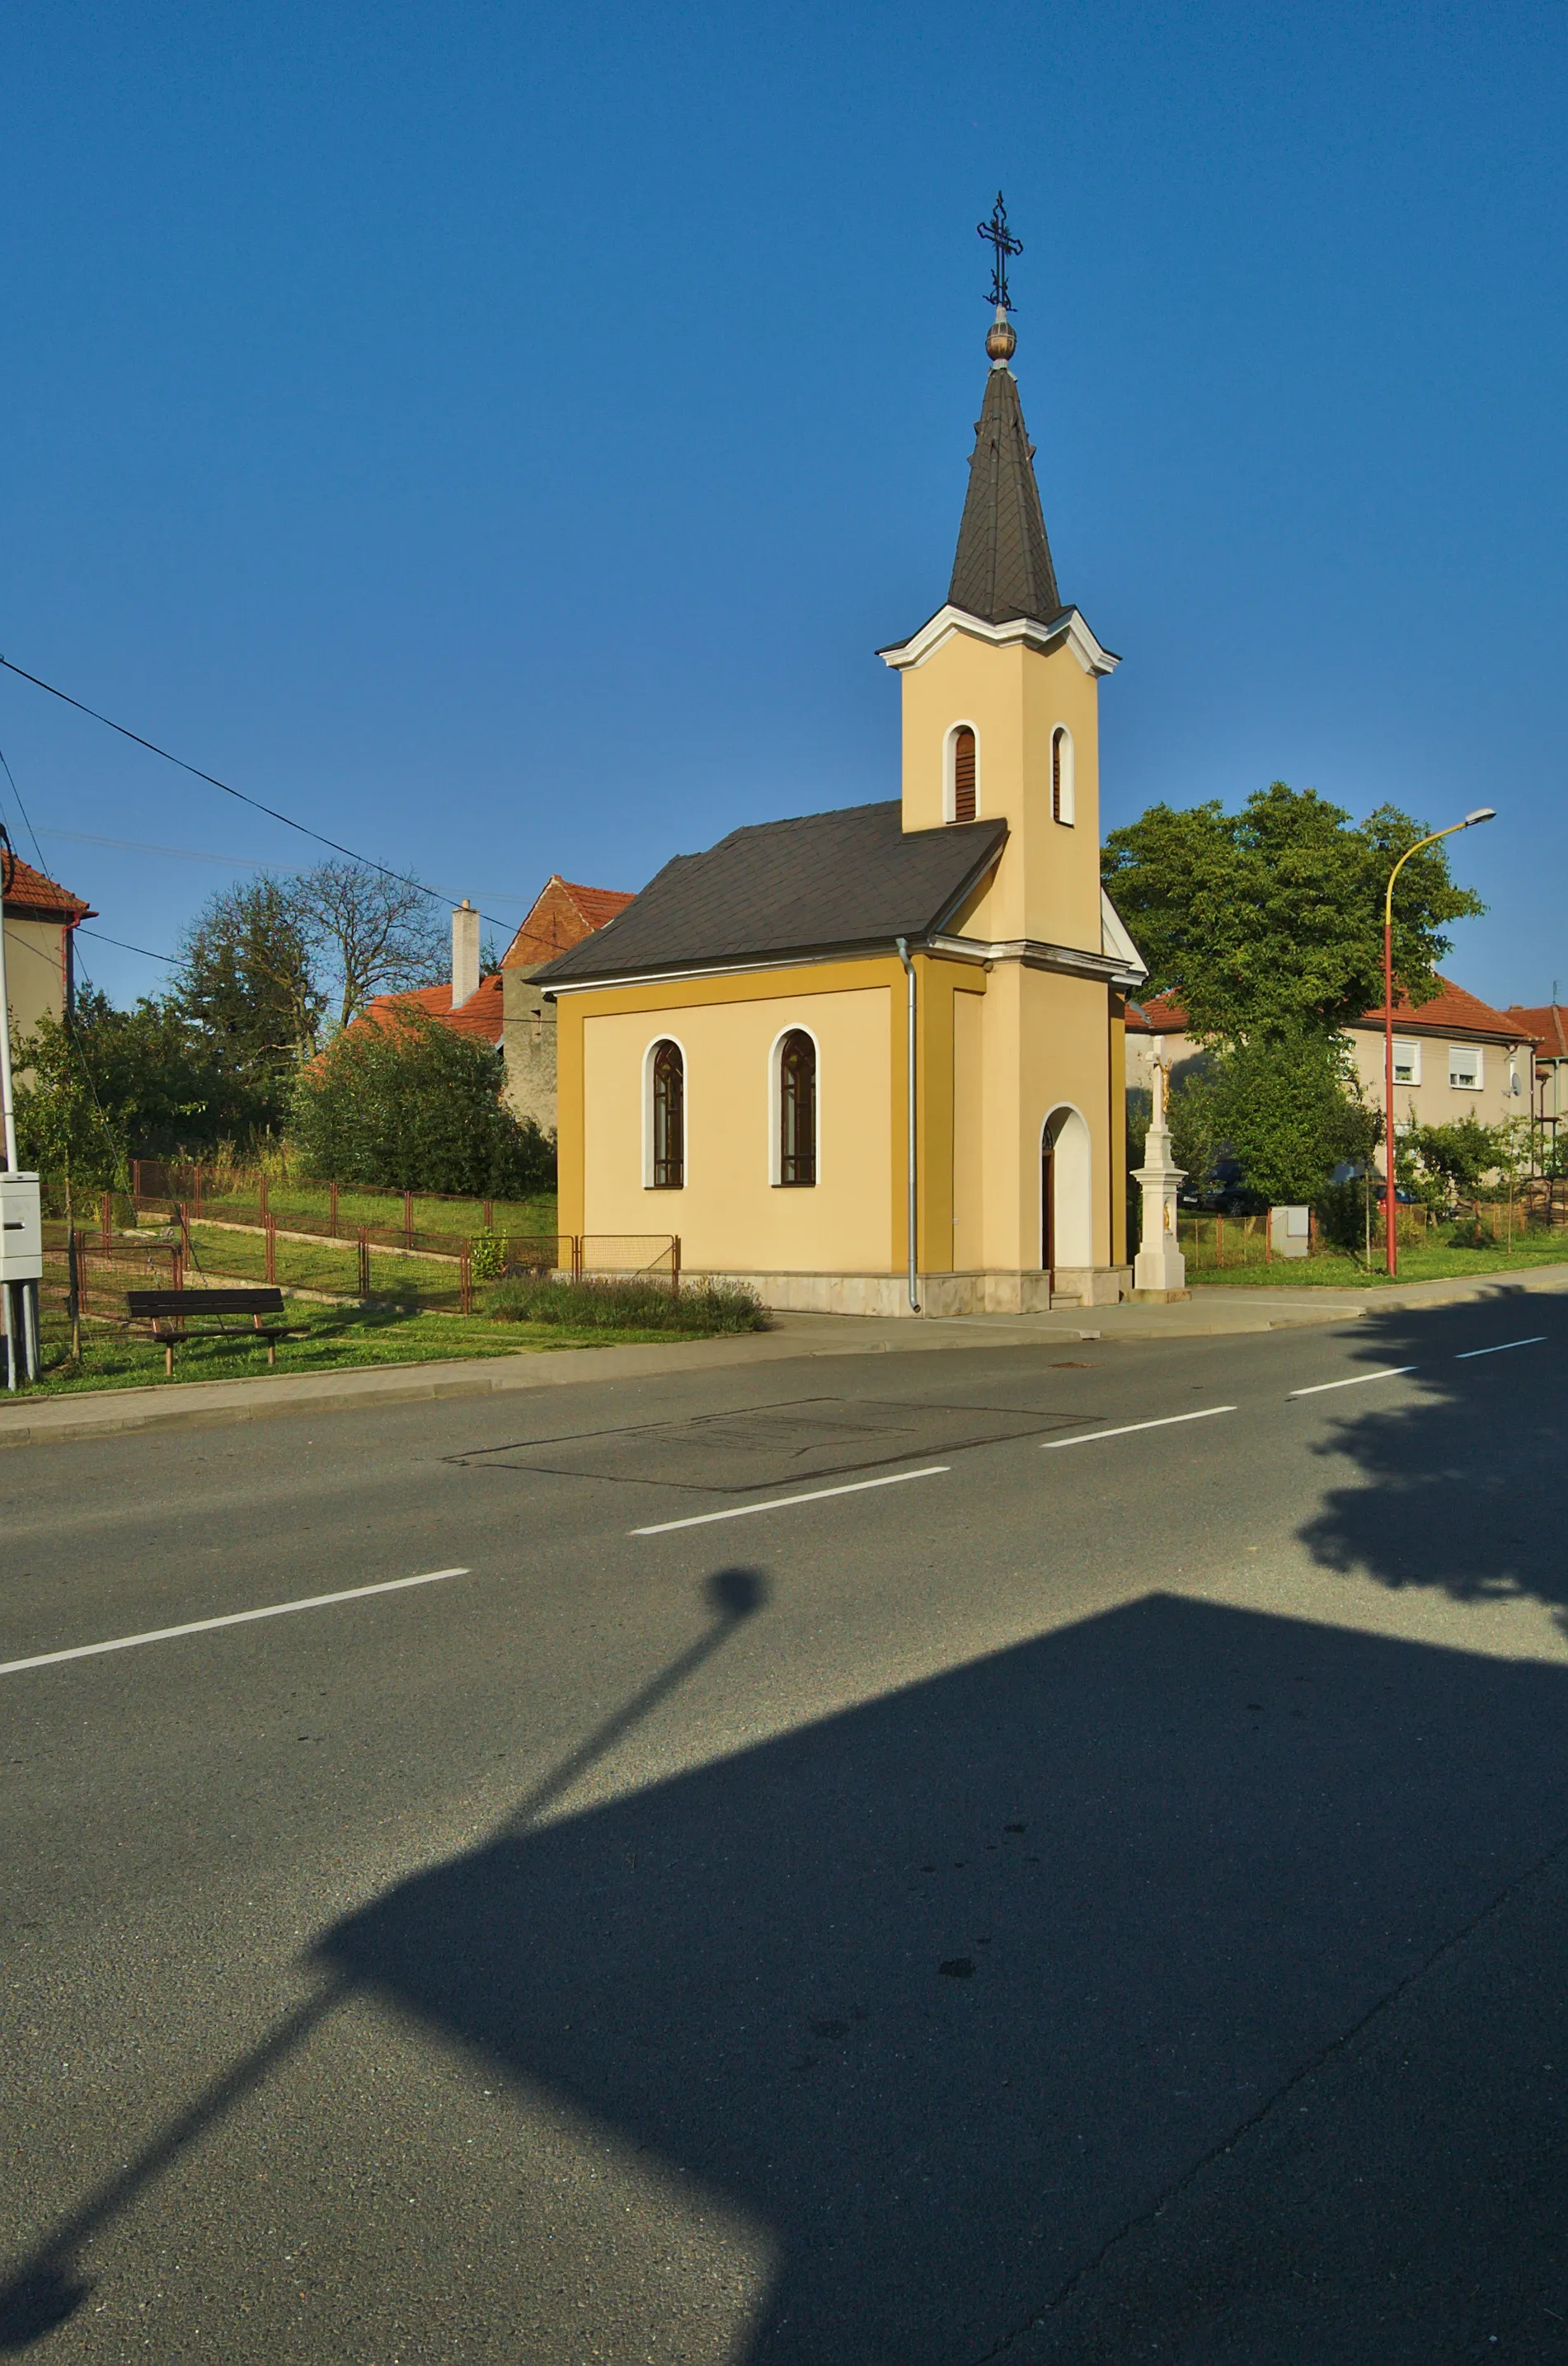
{"x":1208,"y":1315}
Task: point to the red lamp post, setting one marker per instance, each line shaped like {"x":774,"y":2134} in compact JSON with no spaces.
{"x":1481,"y":812}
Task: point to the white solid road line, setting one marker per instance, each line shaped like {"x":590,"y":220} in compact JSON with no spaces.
{"x":1502,"y":1347}
{"x":1385,"y":1372}
{"x":1167,"y":1422}
{"x":785,"y":1502}
{"x":231,"y":1619}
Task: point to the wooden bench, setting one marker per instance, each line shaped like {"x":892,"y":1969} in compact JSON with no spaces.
{"x":170,"y":1311}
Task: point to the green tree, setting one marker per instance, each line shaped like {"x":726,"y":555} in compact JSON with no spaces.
{"x":368,"y":932}
{"x":1286,"y":1108}
{"x":416,"y":1106}
{"x":1269,"y":921}
{"x":247,"y":981}
{"x":1458,"y":1156}
{"x":149,"y":1082}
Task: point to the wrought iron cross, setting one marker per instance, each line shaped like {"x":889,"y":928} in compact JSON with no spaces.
{"x":1003,"y":244}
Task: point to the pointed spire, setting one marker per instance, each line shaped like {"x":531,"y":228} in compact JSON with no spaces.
{"x":1003,"y":569}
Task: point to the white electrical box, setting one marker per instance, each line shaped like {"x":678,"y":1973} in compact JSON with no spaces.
{"x":21,"y":1228}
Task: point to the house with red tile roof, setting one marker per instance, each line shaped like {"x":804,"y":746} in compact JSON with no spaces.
{"x":40,"y":921}
{"x":564,"y":914}
{"x":1549,"y":1025}
{"x":503,"y":1009}
{"x":1453,"y":1055}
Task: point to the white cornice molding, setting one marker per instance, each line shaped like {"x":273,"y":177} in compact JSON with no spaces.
{"x":1035,"y":954}
{"x":1069,"y":626}
{"x":1114,"y":938}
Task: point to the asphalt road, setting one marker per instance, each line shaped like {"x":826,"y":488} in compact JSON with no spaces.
{"x":1043,"y":1886}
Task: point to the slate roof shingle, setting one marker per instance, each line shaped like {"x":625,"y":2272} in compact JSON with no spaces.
{"x":823,"y":881}
{"x":1002,"y":568}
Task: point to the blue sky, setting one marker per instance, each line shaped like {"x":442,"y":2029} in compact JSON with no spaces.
{"x":502,"y":438}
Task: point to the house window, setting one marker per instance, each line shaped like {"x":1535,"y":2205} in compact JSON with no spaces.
{"x":797,"y":1108}
{"x":669,"y":1118}
{"x":1062,"y":774}
{"x":1465,"y":1066}
{"x":1407,"y":1062}
{"x":960,"y":761}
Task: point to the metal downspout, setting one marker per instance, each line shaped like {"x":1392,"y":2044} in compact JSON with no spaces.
{"x":903,"y":946}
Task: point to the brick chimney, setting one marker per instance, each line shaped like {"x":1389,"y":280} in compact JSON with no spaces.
{"x":465,"y":953}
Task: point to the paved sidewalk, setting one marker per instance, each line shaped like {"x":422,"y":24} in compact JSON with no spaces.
{"x":1209,"y":1313}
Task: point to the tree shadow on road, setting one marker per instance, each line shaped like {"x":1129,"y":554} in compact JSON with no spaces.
{"x":1452,"y":1487}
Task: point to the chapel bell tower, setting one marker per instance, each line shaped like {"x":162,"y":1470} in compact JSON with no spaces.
{"x":1000,"y":687}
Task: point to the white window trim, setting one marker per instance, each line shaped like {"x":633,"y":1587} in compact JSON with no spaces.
{"x":666,"y":1035}
{"x":1409,"y":1046}
{"x":775,"y":1107}
{"x":1467,"y":1052}
{"x":1068,"y":814}
{"x":949,"y":758}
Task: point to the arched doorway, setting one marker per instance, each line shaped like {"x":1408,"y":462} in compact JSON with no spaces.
{"x":1067,"y":1201}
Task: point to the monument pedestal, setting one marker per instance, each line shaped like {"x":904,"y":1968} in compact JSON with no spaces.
{"x":1159,"y":1270}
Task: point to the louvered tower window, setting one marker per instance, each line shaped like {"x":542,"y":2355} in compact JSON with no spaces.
{"x":669,"y":1118}
{"x":963,"y":774}
{"x":797,"y":1108}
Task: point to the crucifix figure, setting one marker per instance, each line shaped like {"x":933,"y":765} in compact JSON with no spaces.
{"x":1002,"y":243}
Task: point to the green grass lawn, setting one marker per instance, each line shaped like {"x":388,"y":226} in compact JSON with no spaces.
{"x":310,"y":1201}
{"x":312,"y":1264}
{"x":1434,"y":1261}
{"x":336,"y":1338}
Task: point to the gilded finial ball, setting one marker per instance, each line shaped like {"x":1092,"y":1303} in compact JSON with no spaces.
{"x":1001,"y":338}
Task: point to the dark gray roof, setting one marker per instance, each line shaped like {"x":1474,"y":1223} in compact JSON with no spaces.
{"x":1003,"y":569}
{"x":830,"y":881}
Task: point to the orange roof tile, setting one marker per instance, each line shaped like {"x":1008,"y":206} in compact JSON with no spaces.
{"x":1450,"y":1012}
{"x":1548,"y":1025}
{"x":480,"y":1015}
{"x":562,"y":914}
{"x":28,"y":892}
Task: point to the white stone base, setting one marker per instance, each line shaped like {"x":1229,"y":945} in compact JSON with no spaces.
{"x":939,"y":1293}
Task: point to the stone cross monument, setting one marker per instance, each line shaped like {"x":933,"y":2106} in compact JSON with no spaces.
{"x":1159,"y":1270}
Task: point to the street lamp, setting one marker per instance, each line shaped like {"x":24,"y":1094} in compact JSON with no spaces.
{"x":1481,"y":812}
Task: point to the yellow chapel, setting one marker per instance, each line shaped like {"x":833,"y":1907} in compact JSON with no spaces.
{"x":871,"y":1061}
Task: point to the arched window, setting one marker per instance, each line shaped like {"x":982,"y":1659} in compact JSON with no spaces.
{"x":963,"y":774}
{"x":1061,"y":773}
{"x":669,"y":1118}
{"x":797,"y":1108}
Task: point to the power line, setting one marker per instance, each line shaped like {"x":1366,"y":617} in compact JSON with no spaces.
{"x":435,"y":894}
{"x":168,"y":959}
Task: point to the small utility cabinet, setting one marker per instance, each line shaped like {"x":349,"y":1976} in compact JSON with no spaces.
{"x":21,"y":1228}
{"x":1290,"y":1232}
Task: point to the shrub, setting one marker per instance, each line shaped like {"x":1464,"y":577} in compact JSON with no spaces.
{"x":487,"y":1255}
{"x":415,"y":1106}
{"x":595,"y":1305}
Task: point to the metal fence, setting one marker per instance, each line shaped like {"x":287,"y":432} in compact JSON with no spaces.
{"x":422,"y":1271}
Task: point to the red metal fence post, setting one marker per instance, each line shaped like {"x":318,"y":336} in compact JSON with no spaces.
{"x":407,"y":1220}
{"x":105,"y":1217}
{"x":675,"y":1267}
{"x":364,"y":1261}
{"x":331,"y":1204}
{"x":465,"y":1280}
{"x":136,"y":1179}
{"x":490,"y":1215}
{"x":177,"y":1267}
